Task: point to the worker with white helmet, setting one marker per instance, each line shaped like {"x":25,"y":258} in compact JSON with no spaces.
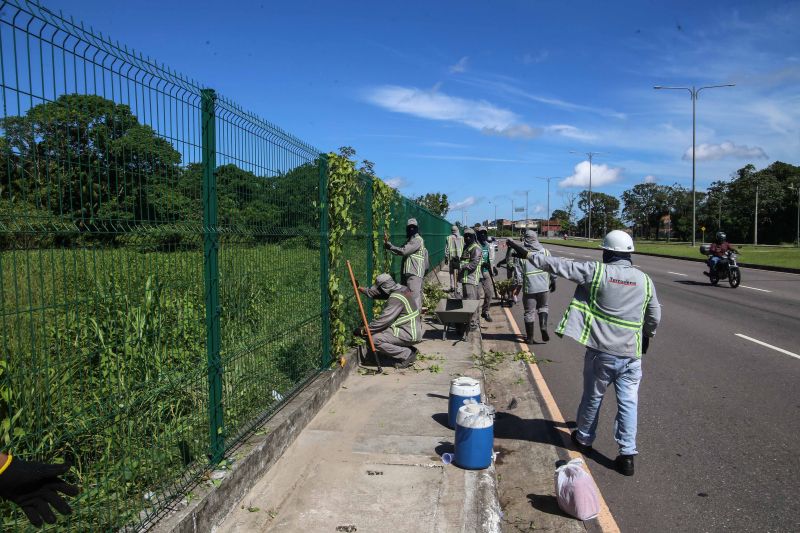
{"x":614,"y":313}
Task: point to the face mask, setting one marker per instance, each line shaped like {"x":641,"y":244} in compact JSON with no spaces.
{"x":411,"y":231}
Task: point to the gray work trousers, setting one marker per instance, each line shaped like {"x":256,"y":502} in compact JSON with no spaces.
{"x":454,"y":283}
{"x":488,"y":292}
{"x":534,"y":302}
{"x":414,"y":284}
{"x":470,"y":292}
{"x":388,"y":345}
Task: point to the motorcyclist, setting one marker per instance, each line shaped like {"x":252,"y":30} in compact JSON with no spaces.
{"x":717,"y":251}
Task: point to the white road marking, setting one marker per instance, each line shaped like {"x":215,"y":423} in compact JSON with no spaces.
{"x":754,"y":288}
{"x":589,"y":256}
{"x":751,"y":339}
{"x":677,"y":273}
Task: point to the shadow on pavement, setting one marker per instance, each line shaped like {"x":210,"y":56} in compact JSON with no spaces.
{"x":546,"y":504}
{"x":441,"y":418}
{"x":509,"y":426}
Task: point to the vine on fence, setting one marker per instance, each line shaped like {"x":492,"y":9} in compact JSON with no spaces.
{"x":344,"y":191}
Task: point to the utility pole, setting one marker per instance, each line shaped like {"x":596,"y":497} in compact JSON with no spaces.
{"x":694,"y":92}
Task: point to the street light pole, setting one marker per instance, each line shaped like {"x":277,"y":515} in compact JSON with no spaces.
{"x":694,"y":92}
{"x":590,"y":155}
{"x":755,"y":222}
{"x":548,"y":200}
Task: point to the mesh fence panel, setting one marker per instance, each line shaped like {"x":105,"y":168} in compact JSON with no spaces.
{"x":162,"y":268}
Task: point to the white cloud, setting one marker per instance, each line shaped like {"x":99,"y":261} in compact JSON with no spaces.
{"x":650,"y":179}
{"x":508,"y":88}
{"x":434,"y":105}
{"x":601,"y":175}
{"x":398,"y":182}
{"x":565,"y":130}
{"x":469,"y":201}
{"x":708,"y":152}
{"x":460,"y":67}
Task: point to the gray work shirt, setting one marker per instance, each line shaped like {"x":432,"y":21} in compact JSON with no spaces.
{"x":613,"y":306}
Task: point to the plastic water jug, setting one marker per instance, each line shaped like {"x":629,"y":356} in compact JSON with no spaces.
{"x":474,"y":436}
{"x":463,"y":390}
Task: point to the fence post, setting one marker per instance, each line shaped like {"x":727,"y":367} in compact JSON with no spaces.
{"x":211,"y":275}
{"x":324,"y":261}
{"x":370,"y":240}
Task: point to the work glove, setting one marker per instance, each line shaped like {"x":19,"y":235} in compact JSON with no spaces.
{"x":35,"y":487}
{"x":494,"y":269}
{"x":552,"y":284}
{"x":362,"y":290}
{"x":645,"y":344}
{"x":387,"y":245}
{"x":521,"y":251}
{"x":359,"y":332}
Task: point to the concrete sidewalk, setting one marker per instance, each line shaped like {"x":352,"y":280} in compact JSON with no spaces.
{"x":370,"y":460}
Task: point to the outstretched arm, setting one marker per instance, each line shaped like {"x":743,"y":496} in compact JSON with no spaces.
{"x":407,"y":249}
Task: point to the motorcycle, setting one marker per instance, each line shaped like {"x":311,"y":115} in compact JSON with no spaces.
{"x":727,"y":267}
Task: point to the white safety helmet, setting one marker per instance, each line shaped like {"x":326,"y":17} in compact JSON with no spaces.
{"x":617,"y":241}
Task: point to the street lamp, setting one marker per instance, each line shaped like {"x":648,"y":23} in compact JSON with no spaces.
{"x":590,"y":155}
{"x":694,"y":92}
{"x":797,"y":188}
{"x":548,"y":200}
{"x":495,"y":216}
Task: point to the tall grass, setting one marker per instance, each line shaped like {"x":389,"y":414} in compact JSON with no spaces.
{"x":104,"y":362}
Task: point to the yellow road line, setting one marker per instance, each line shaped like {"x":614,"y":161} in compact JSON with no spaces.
{"x":605,"y":519}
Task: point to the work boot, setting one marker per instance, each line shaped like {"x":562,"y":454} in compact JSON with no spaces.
{"x":486,"y":316}
{"x":408,"y":361}
{"x":543,"y":326}
{"x":624,"y":464}
{"x":583,"y":448}
{"x":529,"y":332}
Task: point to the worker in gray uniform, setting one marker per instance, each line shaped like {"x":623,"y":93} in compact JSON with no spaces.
{"x":487,"y":269}
{"x":614,"y":313}
{"x":415,"y":259}
{"x":399,"y":325}
{"x":452,"y":256}
{"x":470,"y":270}
{"x":537,"y":285}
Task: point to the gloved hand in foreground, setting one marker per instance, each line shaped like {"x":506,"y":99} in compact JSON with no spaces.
{"x":645,"y":344}
{"x":359,"y":332}
{"x":552,"y":284}
{"x":35,"y":487}
{"x":521,"y":251}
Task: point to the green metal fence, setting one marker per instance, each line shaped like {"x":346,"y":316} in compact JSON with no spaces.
{"x":163,"y":268}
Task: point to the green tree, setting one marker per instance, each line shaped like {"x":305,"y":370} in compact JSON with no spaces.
{"x":435,"y":202}
{"x":605,"y":210}
{"x":88,"y":159}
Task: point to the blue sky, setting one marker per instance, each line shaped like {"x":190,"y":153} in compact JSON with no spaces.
{"x":477,"y":99}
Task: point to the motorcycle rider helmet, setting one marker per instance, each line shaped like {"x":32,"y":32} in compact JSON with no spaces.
{"x":617,"y":241}
{"x":721,"y":237}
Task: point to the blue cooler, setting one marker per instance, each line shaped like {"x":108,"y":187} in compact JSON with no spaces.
{"x":474,"y":436}
{"x":463,"y":390}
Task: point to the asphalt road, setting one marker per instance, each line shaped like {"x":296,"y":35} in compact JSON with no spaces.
{"x":719,"y":415}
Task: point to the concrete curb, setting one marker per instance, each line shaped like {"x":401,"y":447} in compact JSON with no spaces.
{"x":696,"y":260}
{"x":488,"y":498}
{"x":260,"y":453}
